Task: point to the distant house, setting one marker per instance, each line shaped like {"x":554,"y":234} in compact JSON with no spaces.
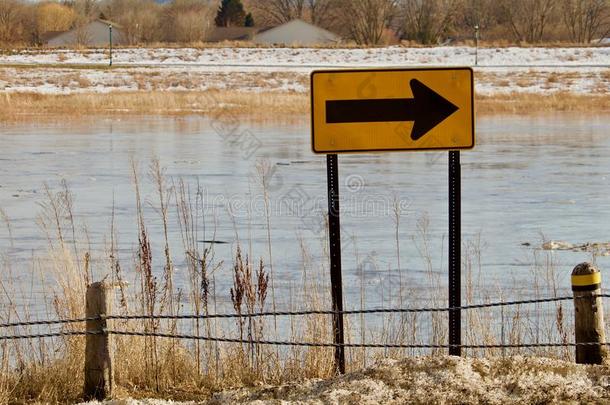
{"x":295,"y":32}
{"x":95,"y":33}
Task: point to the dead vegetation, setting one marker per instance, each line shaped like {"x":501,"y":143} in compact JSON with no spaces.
{"x":263,"y":106}
{"x":51,"y":370}
{"x":364,"y":22}
{"x":527,"y":103}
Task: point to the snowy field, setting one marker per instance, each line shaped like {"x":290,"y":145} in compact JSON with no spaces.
{"x":499,"y":70}
{"x":438,"y":380}
{"x":298,"y":58}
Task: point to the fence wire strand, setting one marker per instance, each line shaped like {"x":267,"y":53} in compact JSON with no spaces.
{"x":48,"y":322}
{"x":349,"y":345}
{"x":302,"y":344}
{"x":52,"y":334}
{"x":353,"y":312}
{"x":293,"y":313}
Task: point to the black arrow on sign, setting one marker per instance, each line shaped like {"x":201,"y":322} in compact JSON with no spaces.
{"x":427,"y":109}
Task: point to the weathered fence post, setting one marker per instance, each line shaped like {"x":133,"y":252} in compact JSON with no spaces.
{"x":99,"y":371}
{"x":589,"y":314}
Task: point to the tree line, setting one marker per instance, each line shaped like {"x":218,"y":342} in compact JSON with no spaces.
{"x":369,"y":22}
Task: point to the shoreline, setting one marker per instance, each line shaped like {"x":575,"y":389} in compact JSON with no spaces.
{"x":257,"y":106}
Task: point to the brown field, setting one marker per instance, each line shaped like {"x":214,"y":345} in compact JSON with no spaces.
{"x":258,"y":106}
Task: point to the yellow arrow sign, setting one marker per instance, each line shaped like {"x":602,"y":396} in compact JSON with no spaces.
{"x":377,"y":110}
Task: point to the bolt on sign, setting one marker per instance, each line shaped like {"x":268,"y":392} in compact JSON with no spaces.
{"x":376,"y":110}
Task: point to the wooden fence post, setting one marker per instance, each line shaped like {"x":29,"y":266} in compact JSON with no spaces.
{"x":589,"y":314}
{"x":99,"y":349}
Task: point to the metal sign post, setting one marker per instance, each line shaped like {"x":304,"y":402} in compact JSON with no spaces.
{"x":455,"y":256}
{"x":110,"y":42}
{"x":334,"y":228}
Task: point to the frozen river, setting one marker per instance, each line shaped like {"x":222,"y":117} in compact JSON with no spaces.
{"x":529,"y":178}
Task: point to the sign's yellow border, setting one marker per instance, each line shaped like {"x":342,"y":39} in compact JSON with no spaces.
{"x":311,"y":77}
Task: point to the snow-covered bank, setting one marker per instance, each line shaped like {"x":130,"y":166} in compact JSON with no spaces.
{"x":437,"y":380}
{"x":296,"y":58}
{"x":581,"y":71}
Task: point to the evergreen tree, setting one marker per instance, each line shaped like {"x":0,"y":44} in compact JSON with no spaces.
{"x":230,"y":13}
{"x":249,"y":21}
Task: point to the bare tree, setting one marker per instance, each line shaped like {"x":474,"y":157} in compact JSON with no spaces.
{"x":479,"y":13}
{"x":140,"y":25}
{"x":53,"y":17}
{"x":86,"y":9}
{"x":84,"y":12}
{"x":527,"y":19}
{"x":11,"y":21}
{"x":189,"y":27}
{"x":187,"y":20}
{"x":427,"y":21}
{"x":366,"y":20}
{"x":322,"y":13}
{"x":81,"y":31}
{"x":139,"y":19}
{"x":586,"y":19}
{"x":274,"y":12}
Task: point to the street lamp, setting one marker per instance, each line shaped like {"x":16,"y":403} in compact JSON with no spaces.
{"x":476,"y":44}
{"x":110,"y":32}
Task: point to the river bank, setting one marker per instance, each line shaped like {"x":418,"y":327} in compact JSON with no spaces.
{"x":265,"y":81}
{"x":438,"y":380}
{"x":262,"y":106}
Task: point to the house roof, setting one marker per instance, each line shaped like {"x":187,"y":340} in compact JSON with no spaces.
{"x":49,"y":35}
{"x":248,"y":33}
{"x":294,"y":31}
{"x":114,"y":25}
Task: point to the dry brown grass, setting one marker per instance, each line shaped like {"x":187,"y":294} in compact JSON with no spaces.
{"x":52,"y":370}
{"x":524,"y":103}
{"x":272,"y":105}
{"x":267,"y":106}
{"x":552,"y":78}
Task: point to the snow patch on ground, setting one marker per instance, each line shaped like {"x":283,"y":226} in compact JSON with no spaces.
{"x":298,"y":57}
{"x":582,"y":71}
{"x":439,"y":380}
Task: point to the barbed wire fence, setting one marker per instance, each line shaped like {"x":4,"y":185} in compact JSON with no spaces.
{"x":105,"y":331}
{"x":589,"y":342}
